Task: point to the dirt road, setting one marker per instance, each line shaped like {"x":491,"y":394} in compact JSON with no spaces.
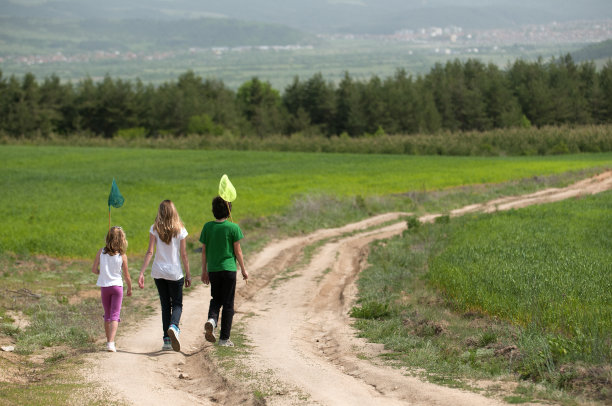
{"x":294,"y":313}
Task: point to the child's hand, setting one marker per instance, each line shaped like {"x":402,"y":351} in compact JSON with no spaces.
{"x":245,"y":275}
{"x":188,"y":281}
{"x":205,"y":278}
{"x":129,"y":291}
{"x":141,"y":281}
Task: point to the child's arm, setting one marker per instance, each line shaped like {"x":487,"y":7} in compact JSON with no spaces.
{"x":204,"y":276}
{"x":238,"y":252}
{"x":126,"y":274}
{"x":95,"y":269}
{"x":147,"y":258}
{"x":185,"y":260}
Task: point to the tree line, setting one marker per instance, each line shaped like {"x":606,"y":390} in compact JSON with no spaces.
{"x":455,"y":96}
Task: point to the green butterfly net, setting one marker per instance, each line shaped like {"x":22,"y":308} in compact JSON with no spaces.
{"x":114,"y":198}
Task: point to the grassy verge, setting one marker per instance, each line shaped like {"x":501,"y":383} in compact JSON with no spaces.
{"x":551,"y":254}
{"x":500,"y":142}
{"x":47,"y":382}
{"x":544,"y":266}
{"x":311,"y":212}
{"x":50,"y":312}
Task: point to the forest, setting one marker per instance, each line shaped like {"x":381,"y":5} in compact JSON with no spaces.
{"x":457,"y":96}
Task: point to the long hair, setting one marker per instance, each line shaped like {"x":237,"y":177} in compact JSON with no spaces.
{"x":116,"y":243}
{"x":168,"y":224}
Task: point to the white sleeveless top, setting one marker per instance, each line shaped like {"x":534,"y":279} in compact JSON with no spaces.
{"x":110,"y":270}
{"x":167,"y":262}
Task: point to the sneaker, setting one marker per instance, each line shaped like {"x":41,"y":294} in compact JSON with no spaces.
{"x":174,"y":332}
{"x":167,"y":344}
{"x":110,"y":347}
{"x":226,"y":343}
{"x":209,"y":331}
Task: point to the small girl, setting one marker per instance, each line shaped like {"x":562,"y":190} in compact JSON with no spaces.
{"x":109,"y":263}
{"x":168,"y":234}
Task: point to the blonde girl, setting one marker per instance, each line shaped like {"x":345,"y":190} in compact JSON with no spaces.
{"x":109,"y":263}
{"x":167,"y":240}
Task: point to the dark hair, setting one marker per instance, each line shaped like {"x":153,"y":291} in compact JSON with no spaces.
{"x":221,"y":208}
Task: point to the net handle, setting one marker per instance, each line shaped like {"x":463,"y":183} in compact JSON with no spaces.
{"x":228,"y":210}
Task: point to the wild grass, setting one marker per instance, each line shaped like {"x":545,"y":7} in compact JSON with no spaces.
{"x":552,"y":140}
{"x":396,"y":308}
{"x":47,"y":394}
{"x":56,"y":199}
{"x":545,"y":267}
{"x":513,"y":295}
{"x":53,"y":324}
{"x":52,"y":384}
{"x":56,"y":318}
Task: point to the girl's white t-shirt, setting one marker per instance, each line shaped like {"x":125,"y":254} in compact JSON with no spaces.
{"x":167,"y":262}
{"x":110,"y":270}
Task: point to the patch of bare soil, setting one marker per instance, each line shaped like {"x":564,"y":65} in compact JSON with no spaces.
{"x":299,"y":329}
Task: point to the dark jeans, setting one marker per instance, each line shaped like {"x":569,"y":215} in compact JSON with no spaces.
{"x":171,"y":298}
{"x":222,"y":291}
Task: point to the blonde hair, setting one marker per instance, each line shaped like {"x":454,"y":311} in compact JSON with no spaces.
{"x":116,"y":243}
{"x":168,"y":224}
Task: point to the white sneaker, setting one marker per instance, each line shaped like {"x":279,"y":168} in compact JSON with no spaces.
{"x":173,"y":333}
{"x":209,"y":331}
{"x":110,"y":347}
{"x":167,"y":344}
{"x":226,"y":343}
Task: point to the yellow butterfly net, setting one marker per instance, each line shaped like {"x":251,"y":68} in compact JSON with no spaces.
{"x":226,"y":189}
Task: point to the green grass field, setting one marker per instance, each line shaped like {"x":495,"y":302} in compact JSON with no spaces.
{"x":55,"y":198}
{"x":525,"y":293}
{"x":547,"y":267}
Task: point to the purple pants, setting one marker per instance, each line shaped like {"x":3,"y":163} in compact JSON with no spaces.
{"x":111,"y":301}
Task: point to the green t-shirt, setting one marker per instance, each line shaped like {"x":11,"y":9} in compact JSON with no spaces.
{"x":219,"y":238}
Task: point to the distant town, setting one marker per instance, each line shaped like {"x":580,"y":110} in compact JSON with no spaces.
{"x":575,"y":32}
{"x":442,"y":40}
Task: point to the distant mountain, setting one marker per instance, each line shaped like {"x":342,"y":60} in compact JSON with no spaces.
{"x":27,"y":26}
{"x":324,"y":16}
{"x":31,"y":35}
{"x":601,"y":50}
{"x":388,"y":16}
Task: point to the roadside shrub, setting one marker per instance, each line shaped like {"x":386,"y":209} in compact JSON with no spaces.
{"x":204,"y":125}
{"x":131,"y":133}
{"x":413,"y":223}
{"x":444,"y":219}
{"x":370,"y":310}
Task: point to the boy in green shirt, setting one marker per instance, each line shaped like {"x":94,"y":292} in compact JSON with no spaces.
{"x":220,"y":250}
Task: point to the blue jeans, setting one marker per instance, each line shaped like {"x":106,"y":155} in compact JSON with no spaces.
{"x":222,"y":291}
{"x":171,"y":299}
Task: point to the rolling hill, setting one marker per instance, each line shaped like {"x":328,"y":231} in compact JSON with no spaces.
{"x":22,"y":35}
{"x":323,"y":16}
{"x":599,"y":51}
